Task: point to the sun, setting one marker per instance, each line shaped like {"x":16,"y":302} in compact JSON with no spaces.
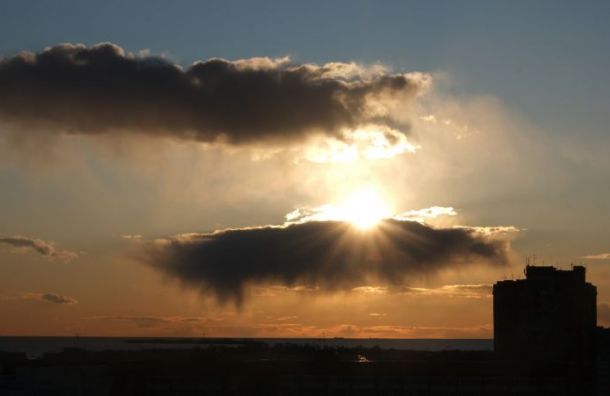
{"x":364,"y":209}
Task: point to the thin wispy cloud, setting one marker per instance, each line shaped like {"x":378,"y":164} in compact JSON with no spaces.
{"x":143,"y":321}
{"x":353,"y":330}
{"x":475,"y":291}
{"x":462,"y":291}
{"x":599,"y":256}
{"x":52,"y":298}
{"x":58,"y":298}
{"x":421,"y":215}
{"x":132,"y":237}
{"x":44,"y":248}
{"x":139,"y":321}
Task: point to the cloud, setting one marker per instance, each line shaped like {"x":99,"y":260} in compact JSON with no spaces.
{"x":507,"y":232}
{"x":352,"y":330}
{"x":140,"y":321}
{"x":371,"y":290}
{"x":329,"y":255}
{"x":72,"y":88}
{"x":58,"y":298}
{"x":600,"y":256}
{"x":46,"y":297}
{"x":47,"y":249}
{"x":132,"y":236}
{"x":158,"y":321}
{"x":275,"y":290}
{"x":421,"y":215}
{"x":290,"y":326}
{"x":464,"y":291}
{"x":337,"y":213}
{"x":476,"y":291}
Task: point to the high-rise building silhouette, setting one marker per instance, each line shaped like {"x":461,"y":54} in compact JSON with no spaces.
{"x":548,"y":316}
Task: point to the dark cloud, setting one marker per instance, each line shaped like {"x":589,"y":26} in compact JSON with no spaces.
{"x":329,"y":255}
{"x":98,"y":89}
{"x":47,"y":249}
{"x":58,"y":298}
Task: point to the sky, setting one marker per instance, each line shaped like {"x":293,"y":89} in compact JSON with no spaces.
{"x":296,"y":169}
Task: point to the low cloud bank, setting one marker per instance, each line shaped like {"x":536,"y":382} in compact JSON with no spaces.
{"x":329,"y":255}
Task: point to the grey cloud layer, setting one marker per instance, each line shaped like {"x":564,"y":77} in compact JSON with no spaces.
{"x":98,"y":89}
{"x":47,"y":249}
{"x":330,"y":255}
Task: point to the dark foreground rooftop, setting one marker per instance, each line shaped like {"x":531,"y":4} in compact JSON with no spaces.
{"x":260,"y":369}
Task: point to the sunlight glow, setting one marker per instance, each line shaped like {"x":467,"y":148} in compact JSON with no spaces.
{"x":364,"y":209}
